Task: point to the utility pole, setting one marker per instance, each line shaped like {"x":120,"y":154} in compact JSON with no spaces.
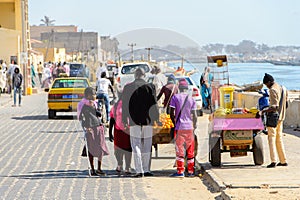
{"x":132,"y":45}
{"x":149,"y":55}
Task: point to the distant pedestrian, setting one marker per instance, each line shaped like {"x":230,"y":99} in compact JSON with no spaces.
{"x":33,"y":75}
{"x":205,"y":82}
{"x":140,"y":111}
{"x":89,"y":115}
{"x":168,"y":91}
{"x":120,"y":136}
{"x":40,"y":70}
{"x":17,"y":81}
{"x":9,"y":75}
{"x":101,"y":68}
{"x":184,"y":117}
{"x":278,"y":97}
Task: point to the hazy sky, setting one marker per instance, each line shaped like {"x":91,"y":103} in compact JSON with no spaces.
{"x":272,"y":22}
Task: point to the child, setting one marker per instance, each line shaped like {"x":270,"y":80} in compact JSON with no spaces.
{"x":88,"y":114}
{"x":120,"y":137}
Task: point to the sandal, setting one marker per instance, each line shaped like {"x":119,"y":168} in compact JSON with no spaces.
{"x":100,"y":172}
{"x":118,"y":169}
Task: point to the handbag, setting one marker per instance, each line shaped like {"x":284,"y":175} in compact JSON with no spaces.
{"x":273,"y":117}
{"x":172,"y":131}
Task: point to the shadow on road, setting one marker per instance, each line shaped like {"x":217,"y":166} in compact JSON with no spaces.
{"x":45,"y":117}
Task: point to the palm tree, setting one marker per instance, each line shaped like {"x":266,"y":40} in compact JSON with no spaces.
{"x":47,"y":21}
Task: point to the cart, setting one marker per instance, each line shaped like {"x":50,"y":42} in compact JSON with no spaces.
{"x":233,"y":132}
{"x":160,"y":136}
{"x":236,"y":134}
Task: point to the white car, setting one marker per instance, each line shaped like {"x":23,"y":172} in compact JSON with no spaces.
{"x":193,"y":91}
{"x":127,"y":73}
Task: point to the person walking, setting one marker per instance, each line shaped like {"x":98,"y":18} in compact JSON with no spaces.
{"x":33,"y":75}
{"x":278,"y":103}
{"x":168,"y":91}
{"x":184,"y":117}
{"x":120,"y":136}
{"x":17,"y":81}
{"x":205,"y":82}
{"x":140,"y":111}
{"x":40,"y":70}
{"x":88,"y":114}
{"x":102,"y":86}
{"x":101,"y":68}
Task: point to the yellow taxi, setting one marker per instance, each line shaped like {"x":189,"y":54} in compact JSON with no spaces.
{"x":65,"y":93}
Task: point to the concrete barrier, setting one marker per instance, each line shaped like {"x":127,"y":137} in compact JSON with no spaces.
{"x":250,"y":99}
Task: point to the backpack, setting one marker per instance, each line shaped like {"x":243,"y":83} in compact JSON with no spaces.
{"x":18,"y":80}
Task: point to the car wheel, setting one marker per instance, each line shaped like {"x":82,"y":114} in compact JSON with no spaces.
{"x":51,"y":114}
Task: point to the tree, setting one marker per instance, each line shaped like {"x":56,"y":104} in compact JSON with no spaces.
{"x":47,"y":21}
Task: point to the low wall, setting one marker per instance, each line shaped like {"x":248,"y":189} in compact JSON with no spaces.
{"x":250,"y":99}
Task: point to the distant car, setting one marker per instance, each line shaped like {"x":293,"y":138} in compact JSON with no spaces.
{"x":65,"y":93}
{"x":127,"y":73}
{"x":193,"y":90}
{"x":78,"y":70}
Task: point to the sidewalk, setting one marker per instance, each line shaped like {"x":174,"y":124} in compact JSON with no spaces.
{"x":5,"y":99}
{"x":237,"y":175}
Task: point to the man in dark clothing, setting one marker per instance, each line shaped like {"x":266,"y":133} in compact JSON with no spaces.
{"x":17,"y":80}
{"x":140,"y":110}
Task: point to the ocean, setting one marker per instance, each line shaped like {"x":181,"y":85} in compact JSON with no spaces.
{"x":245,"y":73}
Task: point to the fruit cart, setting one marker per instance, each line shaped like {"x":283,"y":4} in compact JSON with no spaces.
{"x":161,"y":131}
{"x":236,"y":131}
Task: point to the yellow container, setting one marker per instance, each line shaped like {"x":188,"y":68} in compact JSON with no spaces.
{"x":29,"y":91}
{"x":226,"y":96}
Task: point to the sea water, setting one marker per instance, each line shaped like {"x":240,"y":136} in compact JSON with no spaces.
{"x":247,"y":73}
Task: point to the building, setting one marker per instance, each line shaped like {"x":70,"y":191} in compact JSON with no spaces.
{"x":15,"y":36}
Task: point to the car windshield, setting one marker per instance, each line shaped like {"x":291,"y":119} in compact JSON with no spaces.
{"x":70,"y":83}
{"x":130,"y":69}
{"x":76,"y":66}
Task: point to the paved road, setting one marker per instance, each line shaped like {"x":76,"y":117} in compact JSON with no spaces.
{"x":40,"y":160}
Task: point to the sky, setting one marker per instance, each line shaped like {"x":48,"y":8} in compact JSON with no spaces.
{"x":270,"y":22}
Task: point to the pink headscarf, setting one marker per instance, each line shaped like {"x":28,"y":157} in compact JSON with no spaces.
{"x":84,"y":101}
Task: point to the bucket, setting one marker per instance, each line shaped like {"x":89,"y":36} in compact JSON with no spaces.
{"x":226,"y":96}
{"x":29,"y":91}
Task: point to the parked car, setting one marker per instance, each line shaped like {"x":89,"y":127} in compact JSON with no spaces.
{"x":127,"y":73}
{"x":194,"y":91}
{"x":65,"y":93}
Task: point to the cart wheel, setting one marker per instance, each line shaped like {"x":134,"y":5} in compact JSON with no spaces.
{"x":215,"y":151}
{"x":258,"y":153}
{"x":51,"y":114}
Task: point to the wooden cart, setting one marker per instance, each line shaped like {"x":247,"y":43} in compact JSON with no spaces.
{"x":160,"y":136}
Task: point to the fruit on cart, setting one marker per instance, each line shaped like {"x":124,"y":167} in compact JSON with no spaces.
{"x":253,"y":110}
{"x":166,"y":121}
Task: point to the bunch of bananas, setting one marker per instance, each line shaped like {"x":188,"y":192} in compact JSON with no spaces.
{"x":253,"y":110}
{"x":222,"y":111}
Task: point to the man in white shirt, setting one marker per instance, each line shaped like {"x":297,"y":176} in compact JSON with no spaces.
{"x":102,"y":86}
{"x":100,"y":69}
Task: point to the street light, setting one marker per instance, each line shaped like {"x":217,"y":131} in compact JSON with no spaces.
{"x":132,"y":45}
{"x":149,"y":55}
